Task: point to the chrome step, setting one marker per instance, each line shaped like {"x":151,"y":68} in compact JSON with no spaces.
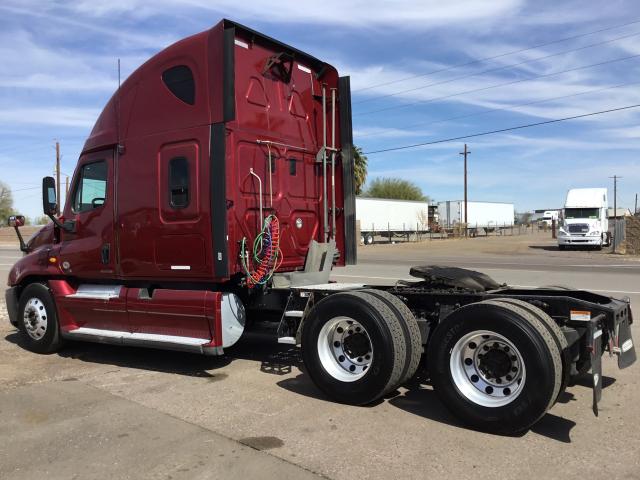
{"x":97,"y":292}
{"x":171,"y":342}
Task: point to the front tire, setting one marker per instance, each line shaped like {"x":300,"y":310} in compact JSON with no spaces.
{"x":496,"y":369}
{"x":38,"y":319}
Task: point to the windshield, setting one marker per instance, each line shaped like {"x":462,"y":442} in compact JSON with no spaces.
{"x":581,"y":213}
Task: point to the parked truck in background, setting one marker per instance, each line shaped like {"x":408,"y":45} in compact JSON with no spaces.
{"x":548,"y":217}
{"x":585,"y":222}
{"x":390,"y":218}
{"x":213,"y":196}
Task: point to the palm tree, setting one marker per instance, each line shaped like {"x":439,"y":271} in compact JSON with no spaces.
{"x":359,"y":169}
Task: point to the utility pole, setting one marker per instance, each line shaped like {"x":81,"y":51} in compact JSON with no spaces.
{"x":465,"y":153}
{"x":635,"y":209}
{"x":58,"y":176}
{"x":615,"y":209}
{"x":66,"y":189}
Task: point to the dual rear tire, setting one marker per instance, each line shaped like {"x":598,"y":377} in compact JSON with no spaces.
{"x":497,"y":365}
{"x":359,"y":346}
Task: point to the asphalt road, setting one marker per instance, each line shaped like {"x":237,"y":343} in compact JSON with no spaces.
{"x":254,"y":414}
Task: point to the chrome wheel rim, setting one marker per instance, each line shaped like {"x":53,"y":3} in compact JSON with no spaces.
{"x":345,"y":349}
{"x":487,"y":368}
{"x":35,"y":318}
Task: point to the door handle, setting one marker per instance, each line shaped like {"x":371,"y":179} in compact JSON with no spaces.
{"x":70,"y":226}
{"x":106,"y":253}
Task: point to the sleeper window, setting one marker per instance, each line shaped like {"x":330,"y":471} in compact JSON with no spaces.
{"x":91,"y":189}
{"x":178,"y":182}
{"x":179,"y":80}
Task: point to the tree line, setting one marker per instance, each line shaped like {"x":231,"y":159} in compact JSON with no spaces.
{"x":382,"y":187}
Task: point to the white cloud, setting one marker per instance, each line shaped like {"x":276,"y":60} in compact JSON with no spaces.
{"x":356,"y":13}
{"x":55,"y":116}
{"x":45,"y":10}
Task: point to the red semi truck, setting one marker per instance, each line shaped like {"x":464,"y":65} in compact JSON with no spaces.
{"x":216,"y":190}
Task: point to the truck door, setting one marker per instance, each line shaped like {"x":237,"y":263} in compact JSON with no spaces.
{"x":89,"y":251}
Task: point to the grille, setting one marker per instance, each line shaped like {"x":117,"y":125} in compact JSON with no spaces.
{"x":579,"y":228}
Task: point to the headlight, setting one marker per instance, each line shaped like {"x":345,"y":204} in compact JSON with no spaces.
{"x":595,"y":233}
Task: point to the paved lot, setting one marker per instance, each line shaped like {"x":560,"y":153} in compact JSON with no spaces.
{"x":145,"y":413}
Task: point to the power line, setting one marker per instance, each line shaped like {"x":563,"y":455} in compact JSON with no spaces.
{"x":23,"y":189}
{"x":513,"y":52}
{"x":519,"y":127}
{"x":506,"y":109}
{"x":21,"y":149}
{"x":496,"y":69}
{"x":512,"y":82}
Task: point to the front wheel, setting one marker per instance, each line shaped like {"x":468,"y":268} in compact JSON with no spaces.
{"x":38,"y":320}
{"x":497,"y":369}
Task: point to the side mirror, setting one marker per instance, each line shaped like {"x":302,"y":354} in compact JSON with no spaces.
{"x":15,"y":221}
{"x":49,"y":201}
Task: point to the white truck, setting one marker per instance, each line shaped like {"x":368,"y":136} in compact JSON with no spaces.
{"x":585,"y":221}
{"x":387,"y":217}
{"x":548,"y":217}
{"x":487,"y":215}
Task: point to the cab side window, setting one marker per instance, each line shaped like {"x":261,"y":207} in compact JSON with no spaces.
{"x":179,"y":182}
{"x":91,"y":188}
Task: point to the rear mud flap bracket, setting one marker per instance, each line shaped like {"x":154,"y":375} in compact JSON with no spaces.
{"x":595,"y":333}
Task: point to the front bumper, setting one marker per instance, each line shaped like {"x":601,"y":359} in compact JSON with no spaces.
{"x":11,"y":298}
{"x":579,"y":240}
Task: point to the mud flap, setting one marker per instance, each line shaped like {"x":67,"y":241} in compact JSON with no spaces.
{"x":596,"y":364}
{"x":627,"y":354}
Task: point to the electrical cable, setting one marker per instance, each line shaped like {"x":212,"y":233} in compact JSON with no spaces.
{"x":513,"y":52}
{"x":505,"y":109}
{"x":512,"y":82}
{"x":501,"y":130}
{"x":495,"y":69}
{"x":266,"y":253}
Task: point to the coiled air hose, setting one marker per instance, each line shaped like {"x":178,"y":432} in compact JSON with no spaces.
{"x":266,"y":255}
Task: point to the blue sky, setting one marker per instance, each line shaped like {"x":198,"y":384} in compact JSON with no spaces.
{"x":59,"y":69}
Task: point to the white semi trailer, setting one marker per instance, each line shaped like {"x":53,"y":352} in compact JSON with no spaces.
{"x":386,"y":217}
{"x":491,"y":215}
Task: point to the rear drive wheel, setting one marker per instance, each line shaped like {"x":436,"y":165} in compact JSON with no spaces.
{"x":495,"y":366}
{"x":353,"y":347}
{"x":38,"y":320}
{"x":556,"y":332}
{"x":412,"y":335}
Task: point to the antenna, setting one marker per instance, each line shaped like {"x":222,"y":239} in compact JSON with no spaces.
{"x":120,"y":146}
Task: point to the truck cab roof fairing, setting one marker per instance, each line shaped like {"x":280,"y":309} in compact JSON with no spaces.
{"x":205,"y":49}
